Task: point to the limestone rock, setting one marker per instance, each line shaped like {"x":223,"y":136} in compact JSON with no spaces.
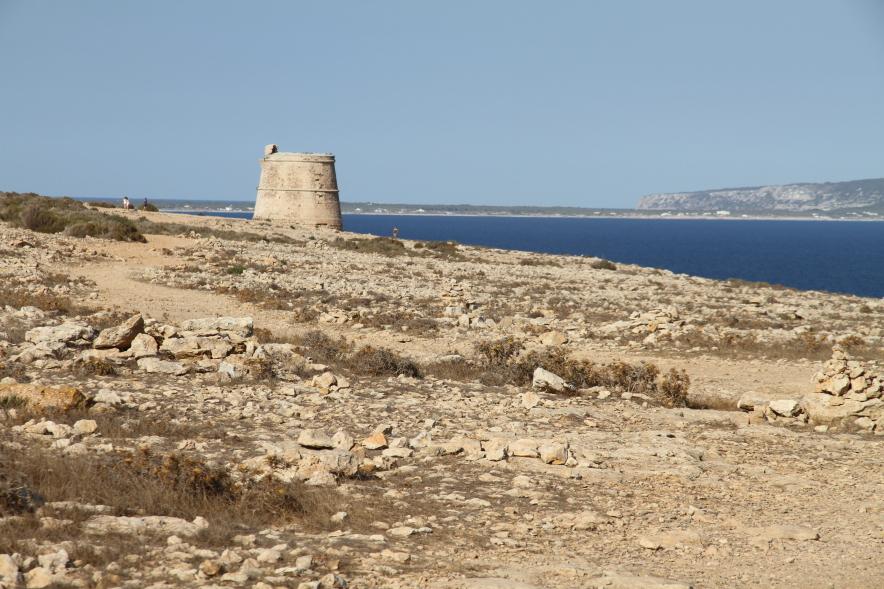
{"x":614,"y":580}
{"x":324,"y":381}
{"x":376,"y":441}
{"x":526,"y":448}
{"x":143,"y":346}
{"x":496,"y":583}
{"x":321,"y":478}
{"x":155,"y":365}
{"x":554,"y":453}
{"x":109,"y":524}
{"x":193,"y":346}
{"x":545,"y":380}
{"x":553,"y":338}
{"x":65,"y":333}
{"x":241,"y":326}
{"x":836,"y":385}
{"x":281,"y":355}
{"x":821,"y":410}
{"x":752,"y":400}
{"x":530,"y":400}
{"x":314,"y":438}
{"x":85,"y":427}
{"x":121,"y":336}
{"x":784,"y":532}
{"x":495,"y":449}
{"x":240,"y":367}
{"x":54,"y":562}
{"x":343,"y":440}
{"x":785,"y":407}
{"x":39,"y":397}
{"x":340,"y":462}
{"x":9,"y":573}
{"x":669,"y":539}
{"x":39,"y":578}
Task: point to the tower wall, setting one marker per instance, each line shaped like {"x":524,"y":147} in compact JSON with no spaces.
{"x":300,"y":188}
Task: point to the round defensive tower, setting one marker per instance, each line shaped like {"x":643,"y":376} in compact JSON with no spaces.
{"x":299,"y":188}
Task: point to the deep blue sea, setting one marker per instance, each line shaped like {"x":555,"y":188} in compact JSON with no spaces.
{"x":837,"y":256}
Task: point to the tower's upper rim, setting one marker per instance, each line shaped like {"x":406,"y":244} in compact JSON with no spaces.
{"x":299,"y":156}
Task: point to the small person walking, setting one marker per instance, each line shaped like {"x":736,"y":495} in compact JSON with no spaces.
{"x":126,"y":204}
{"x":395,"y":232}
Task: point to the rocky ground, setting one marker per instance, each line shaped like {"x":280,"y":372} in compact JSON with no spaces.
{"x":213,"y":409}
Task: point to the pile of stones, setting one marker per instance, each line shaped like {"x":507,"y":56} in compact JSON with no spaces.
{"x":459,"y":308}
{"x":849,"y":396}
{"x":657,"y":324}
{"x":225,"y":345}
{"x":848,"y":393}
{"x":656,"y":320}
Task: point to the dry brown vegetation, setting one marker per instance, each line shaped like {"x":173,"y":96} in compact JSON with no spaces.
{"x":446,"y":250}
{"x":401,"y":321}
{"x":381,"y":362}
{"x":172,"y":484}
{"x":121,"y":424}
{"x":807,"y":345}
{"x":95,"y":367}
{"x":385,"y":246}
{"x":390,"y":247}
{"x":13,"y":370}
{"x":46,"y":299}
{"x":342,"y":355}
{"x":503,"y":362}
{"x":603,"y":264}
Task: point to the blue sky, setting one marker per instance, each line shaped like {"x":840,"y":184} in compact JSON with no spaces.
{"x":567,"y":103}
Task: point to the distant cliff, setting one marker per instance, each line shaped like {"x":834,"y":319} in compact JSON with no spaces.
{"x":826,"y":196}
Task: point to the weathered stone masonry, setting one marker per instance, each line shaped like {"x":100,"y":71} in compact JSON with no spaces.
{"x":300,"y":188}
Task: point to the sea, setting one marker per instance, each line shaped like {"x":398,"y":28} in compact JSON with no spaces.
{"x":834,"y":256}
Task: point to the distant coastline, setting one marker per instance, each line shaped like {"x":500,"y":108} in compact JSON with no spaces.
{"x":359,"y":208}
{"x":625,"y":216}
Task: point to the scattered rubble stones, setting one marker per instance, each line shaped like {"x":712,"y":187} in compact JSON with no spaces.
{"x":121,"y":336}
{"x":545,"y":380}
{"x":450,"y":480}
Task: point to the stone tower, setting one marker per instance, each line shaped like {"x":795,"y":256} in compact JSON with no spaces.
{"x":299,"y":188}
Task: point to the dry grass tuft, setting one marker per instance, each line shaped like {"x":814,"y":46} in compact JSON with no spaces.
{"x":324,"y":348}
{"x":165,"y":484}
{"x":13,"y":370}
{"x":122,"y":424}
{"x":447,"y":250}
{"x":603,"y":264}
{"x":673,"y":388}
{"x":385,"y":246}
{"x":45,"y":300}
{"x":499,"y":352}
{"x":503,"y":362}
{"x":402,"y":321}
{"x":341,"y":354}
{"x":95,"y":367}
{"x":381,"y":362}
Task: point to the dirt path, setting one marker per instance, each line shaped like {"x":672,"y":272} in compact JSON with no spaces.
{"x":711,"y":377}
{"x":118,"y":290}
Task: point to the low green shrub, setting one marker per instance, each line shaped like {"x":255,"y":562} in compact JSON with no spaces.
{"x":57,"y":215}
